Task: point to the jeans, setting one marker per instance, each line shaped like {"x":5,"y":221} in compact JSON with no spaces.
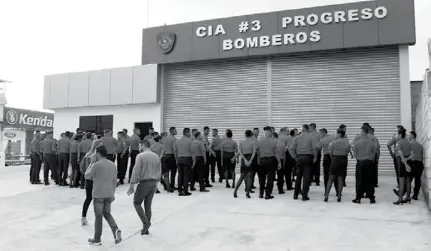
{"x":144,"y":193}
{"x":102,"y":209}
{"x":88,"y":197}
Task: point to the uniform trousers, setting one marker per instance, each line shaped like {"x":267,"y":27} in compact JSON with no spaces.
{"x":315,"y":172}
{"x":304,"y":165}
{"x":326,"y":166}
{"x":364,"y":178}
{"x":133,"y":155}
{"x":184,"y":168}
{"x":198,"y":173}
{"x":74,"y":177}
{"x":50,"y":163}
{"x":121,"y":166}
{"x":217,"y":161}
{"x":170,"y":165}
{"x":64,"y":159}
{"x":289,"y":165}
{"x":206,"y":174}
{"x":36,"y":164}
{"x":283,"y":175}
{"x":266,"y":173}
{"x":417,"y":170}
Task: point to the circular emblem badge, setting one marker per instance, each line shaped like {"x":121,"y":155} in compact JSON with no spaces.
{"x":12,"y":117}
{"x":10,"y":135}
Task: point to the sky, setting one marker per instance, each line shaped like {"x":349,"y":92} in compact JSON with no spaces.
{"x":47,"y":37}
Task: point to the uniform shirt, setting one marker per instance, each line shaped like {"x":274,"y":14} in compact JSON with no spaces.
{"x":247,"y":146}
{"x":365,"y":148}
{"x":339,"y":147}
{"x":370,"y":136}
{"x":110,"y":143}
{"x":206,"y":143}
{"x":267,"y":147}
{"x":169,"y":142}
{"x":315,"y":134}
{"x":133,"y":142}
{"x":35,"y":146}
{"x":184,"y":147}
{"x":284,"y":139}
{"x":198,"y":148}
{"x":418,"y":150}
{"x":157,"y":148}
{"x":147,"y":167}
{"x":281,"y":149}
{"x":152,"y":141}
{"x":85,"y":146}
{"x":104,"y":176}
{"x":325,"y":142}
{"x":404,"y":146}
{"x":229,"y":145}
{"x":304,"y":144}
{"x":121,"y":145}
{"x":47,"y":146}
{"x":74,"y":146}
{"x":216,"y":143}
{"x":64,"y":145}
{"x":392,"y":141}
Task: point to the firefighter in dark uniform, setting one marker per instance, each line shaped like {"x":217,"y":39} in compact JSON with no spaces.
{"x":365,"y":151}
{"x":268,"y":161}
{"x":185,"y":161}
{"x":36,"y":159}
{"x":304,"y":150}
{"x":48,"y":148}
{"x":324,"y":142}
{"x":315,"y":172}
{"x":391,"y":144}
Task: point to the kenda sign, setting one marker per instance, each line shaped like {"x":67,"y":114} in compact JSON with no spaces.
{"x":344,"y":26}
{"x":20,"y":118}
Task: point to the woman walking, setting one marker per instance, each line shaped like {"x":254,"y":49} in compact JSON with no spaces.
{"x":229,"y":149}
{"x":338,"y":149}
{"x":89,"y":159}
{"x":248,"y":152}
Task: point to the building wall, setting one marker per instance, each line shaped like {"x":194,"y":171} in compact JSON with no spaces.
{"x":67,"y":119}
{"x":119,"y":86}
{"x":416,"y":89}
{"x":423,"y":129}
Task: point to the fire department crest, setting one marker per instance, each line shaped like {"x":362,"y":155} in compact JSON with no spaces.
{"x":166,"y":41}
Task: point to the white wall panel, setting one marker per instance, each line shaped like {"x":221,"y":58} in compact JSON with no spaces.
{"x":59,"y":91}
{"x":78,"y":89}
{"x":99,"y":89}
{"x":124,"y":116}
{"x":46,"y":92}
{"x":121,"y":86}
{"x":145,"y":86}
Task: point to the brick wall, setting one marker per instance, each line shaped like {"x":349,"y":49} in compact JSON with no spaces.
{"x":423,"y":130}
{"x":415,"y":90}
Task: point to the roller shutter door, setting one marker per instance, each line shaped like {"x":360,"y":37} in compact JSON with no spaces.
{"x":330,"y":88}
{"x":218,"y":94}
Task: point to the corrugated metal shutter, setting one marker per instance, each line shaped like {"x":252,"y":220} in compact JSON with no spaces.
{"x":330,"y":88}
{"x":218,"y":94}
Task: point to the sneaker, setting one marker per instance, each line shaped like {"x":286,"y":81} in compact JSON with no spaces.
{"x":118,"y":236}
{"x":84,"y":221}
{"x":93,"y":242}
